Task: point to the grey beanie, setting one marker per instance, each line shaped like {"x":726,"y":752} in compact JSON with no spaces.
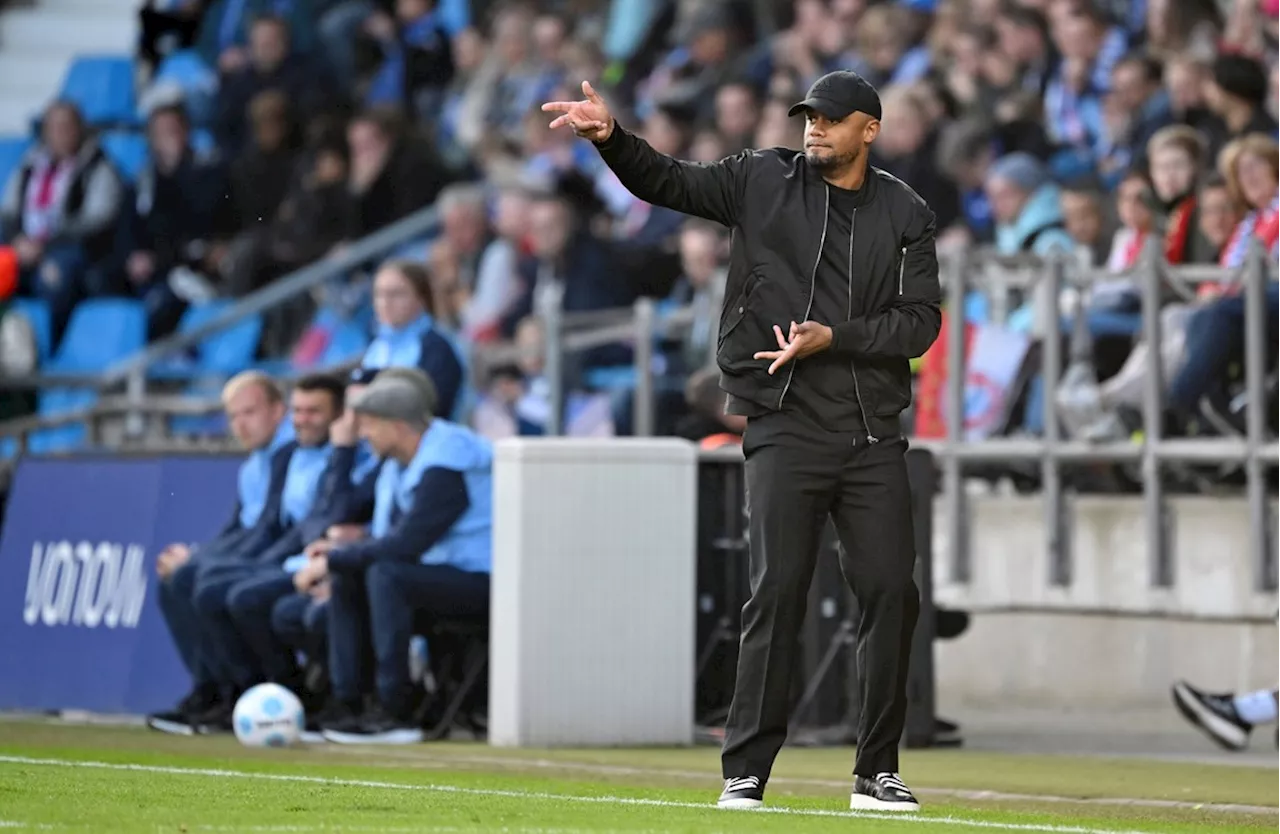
{"x":1021,"y":169}
{"x":417,"y":378}
{"x":396,"y":398}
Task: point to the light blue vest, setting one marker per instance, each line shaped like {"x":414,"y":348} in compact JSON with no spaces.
{"x":254,"y":478}
{"x":468,"y":545}
{"x":306,"y":465}
{"x":402,"y":348}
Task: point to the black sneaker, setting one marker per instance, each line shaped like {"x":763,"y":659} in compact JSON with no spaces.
{"x":884,"y":792}
{"x":742,"y":793}
{"x":216,"y":720}
{"x":1215,"y":715}
{"x":333,"y":715}
{"x":179,"y":720}
{"x":374,"y":727}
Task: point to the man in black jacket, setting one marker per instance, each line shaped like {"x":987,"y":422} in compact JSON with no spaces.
{"x":834,"y":263}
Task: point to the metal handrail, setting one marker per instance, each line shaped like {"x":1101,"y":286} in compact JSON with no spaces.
{"x":281,"y":291}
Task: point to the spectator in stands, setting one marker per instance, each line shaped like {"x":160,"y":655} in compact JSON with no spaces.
{"x":1176,"y":156}
{"x":464,"y":229}
{"x":390,"y":176}
{"x":428,"y":556}
{"x":59,"y":212}
{"x":565,"y":250}
{"x":1186,"y":78}
{"x":264,"y":170}
{"x":256,"y":412}
{"x":226,"y":27}
{"x":1219,"y":214}
{"x":1085,"y":218}
{"x":269,"y":64}
{"x":1229,"y":718}
{"x":1136,"y":221}
{"x":312,"y":218}
{"x":1215,"y":334}
{"x":496,"y":286}
{"x":1237,"y":95}
{"x":1025,"y":205}
{"x":1139,"y":106}
{"x":1090,"y":48}
{"x":966,"y":151}
{"x":518,"y":399}
{"x":1023,"y":36}
{"x":416,"y":56}
{"x":907,"y":148}
{"x":180,"y":212}
{"x":260,"y":178}
{"x":408,"y":336}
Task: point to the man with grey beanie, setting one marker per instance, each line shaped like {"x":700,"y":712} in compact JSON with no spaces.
{"x":427,"y":555}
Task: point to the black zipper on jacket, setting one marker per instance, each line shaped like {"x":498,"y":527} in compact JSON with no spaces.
{"x":853,"y":368}
{"x":813,"y":281}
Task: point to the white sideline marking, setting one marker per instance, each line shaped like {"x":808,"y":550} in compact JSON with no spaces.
{"x":509,"y":762}
{"x":552,"y":797}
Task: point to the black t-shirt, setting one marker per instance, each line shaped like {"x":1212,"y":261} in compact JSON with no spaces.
{"x":822,"y":401}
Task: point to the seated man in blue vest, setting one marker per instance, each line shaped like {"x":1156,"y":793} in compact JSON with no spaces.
{"x":428,"y":554}
{"x":299,"y":620}
{"x":255,"y":410}
{"x":234,"y":596}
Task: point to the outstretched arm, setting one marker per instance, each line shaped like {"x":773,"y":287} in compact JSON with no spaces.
{"x":714,"y":191}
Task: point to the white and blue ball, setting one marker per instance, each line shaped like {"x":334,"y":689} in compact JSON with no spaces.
{"x":268,"y":715}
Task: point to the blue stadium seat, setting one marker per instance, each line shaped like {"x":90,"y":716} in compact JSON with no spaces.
{"x":348,"y":343}
{"x":101,"y":332}
{"x":11,"y":150}
{"x":102,"y":87}
{"x":127,"y":150}
{"x":37,"y":313}
{"x":202,"y":141}
{"x":224,"y":353}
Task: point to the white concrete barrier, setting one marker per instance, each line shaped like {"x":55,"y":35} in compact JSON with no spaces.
{"x":593,"y":593}
{"x":1108,"y":640}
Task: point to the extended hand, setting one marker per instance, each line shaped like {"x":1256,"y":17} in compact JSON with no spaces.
{"x":589,"y":119}
{"x":803,"y":340}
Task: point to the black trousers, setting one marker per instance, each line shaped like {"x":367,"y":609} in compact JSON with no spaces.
{"x":793,"y":487}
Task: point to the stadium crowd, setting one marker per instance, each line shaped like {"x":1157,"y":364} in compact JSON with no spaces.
{"x":301,"y":126}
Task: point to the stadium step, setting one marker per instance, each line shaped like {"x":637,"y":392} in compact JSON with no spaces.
{"x":38,"y":43}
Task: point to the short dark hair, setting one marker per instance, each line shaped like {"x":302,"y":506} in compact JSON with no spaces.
{"x":1152,"y":68}
{"x":329,"y":383}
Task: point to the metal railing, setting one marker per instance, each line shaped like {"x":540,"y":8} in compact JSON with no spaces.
{"x":1052,"y":452}
{"x":132,"y":372}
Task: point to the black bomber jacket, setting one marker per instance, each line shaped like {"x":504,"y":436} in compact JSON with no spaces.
{"x":777,"y":206}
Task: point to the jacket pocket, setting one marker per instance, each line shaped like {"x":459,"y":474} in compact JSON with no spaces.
{"x":733,"y":313}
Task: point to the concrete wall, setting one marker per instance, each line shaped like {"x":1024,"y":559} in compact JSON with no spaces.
{"x":1108,"y":638}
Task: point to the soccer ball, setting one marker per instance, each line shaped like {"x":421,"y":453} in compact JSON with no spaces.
{"x":268,"y":715}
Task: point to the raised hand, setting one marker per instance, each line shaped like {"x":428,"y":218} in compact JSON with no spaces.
{"x":804,"y":339}
{"x":589,"y":119}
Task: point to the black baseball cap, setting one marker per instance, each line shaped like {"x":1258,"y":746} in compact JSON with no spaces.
{"x":837,"y":94}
